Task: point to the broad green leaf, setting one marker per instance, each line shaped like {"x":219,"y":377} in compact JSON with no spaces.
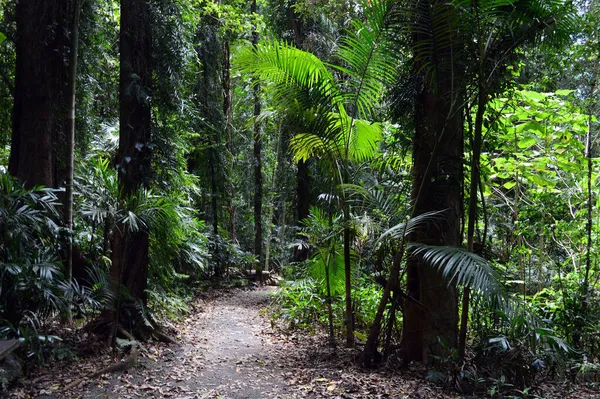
{"x":534,"y":126}
{"x":2,"y":37}
{"x":526,"y":142}
{"x":509,"y":184}
{"x":564,"y":92}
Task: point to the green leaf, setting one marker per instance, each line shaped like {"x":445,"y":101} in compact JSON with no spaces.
{"x":2,"y":37}
{"x":534,"y":126}
{"x":564,"y":92}
{"x":509,"y":184}
{"x":526,"y":142}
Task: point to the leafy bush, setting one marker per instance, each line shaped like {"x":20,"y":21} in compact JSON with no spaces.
{"x":30,"y":276}
{"x":302,"y":304}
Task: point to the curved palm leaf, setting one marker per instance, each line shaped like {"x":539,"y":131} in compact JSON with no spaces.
{"x":293,"y":71}
{"x":404,"y":229}
{"x":462,"y":268}
{"x":368,"y":57}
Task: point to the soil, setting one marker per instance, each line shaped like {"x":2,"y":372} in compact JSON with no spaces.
{"x":230,"y":349}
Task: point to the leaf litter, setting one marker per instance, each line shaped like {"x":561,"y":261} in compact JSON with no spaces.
{"x":229,"y":349}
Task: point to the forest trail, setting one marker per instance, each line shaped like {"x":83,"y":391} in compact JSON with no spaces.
{"x":230,"y":350}
{"x":222,"y":356}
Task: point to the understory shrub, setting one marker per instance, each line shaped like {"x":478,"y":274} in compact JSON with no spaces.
{"x":303,"y":304}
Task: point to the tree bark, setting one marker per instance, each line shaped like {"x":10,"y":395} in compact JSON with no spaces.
{"x":472,"y":216}
{"x":432,"y":329}
{"x":130,"y":248}
{"x":258,"y":188}
{"x":38,"y":147}
{"x":228,"y":114}
{"x":71,"y":92}
{"x":303,"y":178}
{"x":348,"y":275}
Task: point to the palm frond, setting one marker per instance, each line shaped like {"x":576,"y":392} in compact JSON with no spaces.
{"x":368,"y":58}
{"x":334,"y":262}
{"x":290,"y":69}
{"x":462,"y":268}
{"x":404,"y":229}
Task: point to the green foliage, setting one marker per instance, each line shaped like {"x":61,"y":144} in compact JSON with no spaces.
{"x":301,"y":305}
{"x":29,"y":273}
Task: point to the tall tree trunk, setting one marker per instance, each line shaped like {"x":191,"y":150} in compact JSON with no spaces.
{"x":588,"y":250}
{"x":258,"y":188}
{"x":271,"y":201}
{"x":130,"y":248}
{"x":228,"y":113}
{"x":214,"y":206}
{"x":213,"y":119}
{"x":472,"y":217}
{"x":348,"y":272}
{"x":432,"y":329}
{"x":303,"y":178}
{"x":38,"y":148}
{"x":71,"y":92}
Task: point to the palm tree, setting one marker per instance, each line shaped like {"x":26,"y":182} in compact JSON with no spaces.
{"x":336,"y":114}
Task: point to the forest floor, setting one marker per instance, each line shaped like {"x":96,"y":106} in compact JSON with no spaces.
{"x":230,"y":349}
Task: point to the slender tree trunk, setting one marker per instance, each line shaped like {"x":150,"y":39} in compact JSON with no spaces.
{"x":472,"y":217}
{"x":130,"y":248}
{"x":370,"y":353}
{"x":588,"y":250}
{"x":214,"y":206}
{"x":330,"y":253}
{"x":37,"y":155}
{"x":348,"y":277}
{"x":271,"y":203}
{"x":70,"y":127}
{"x":303,"y":202}
{"x":258,"y":188}
{"x":228,"y":113}
{"x":303,"y":178}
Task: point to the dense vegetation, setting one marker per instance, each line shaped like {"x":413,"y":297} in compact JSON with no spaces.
{"x":422,"y":174}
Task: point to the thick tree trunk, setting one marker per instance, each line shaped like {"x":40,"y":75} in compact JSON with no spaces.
{"x":130,"y":248}
{"x":437,"y":186}
{"x":40,"y":105}
{"x":432,"y":329}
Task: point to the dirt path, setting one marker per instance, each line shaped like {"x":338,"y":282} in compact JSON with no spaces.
{"x":222,"y":356}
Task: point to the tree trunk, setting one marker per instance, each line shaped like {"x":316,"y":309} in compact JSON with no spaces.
{"x":214,"y":206}
{"x":348,"y":274}
{"x":38,"y":148}
{"x":472,"y":218}
{"x":228,"y":114}
{"x":258,"y":188}
{"x":213,"y":119}
{"x":70,"y":127}
{"x":432,"y":329}
{"x":303,"y":179}
{"x":130,"y":248}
